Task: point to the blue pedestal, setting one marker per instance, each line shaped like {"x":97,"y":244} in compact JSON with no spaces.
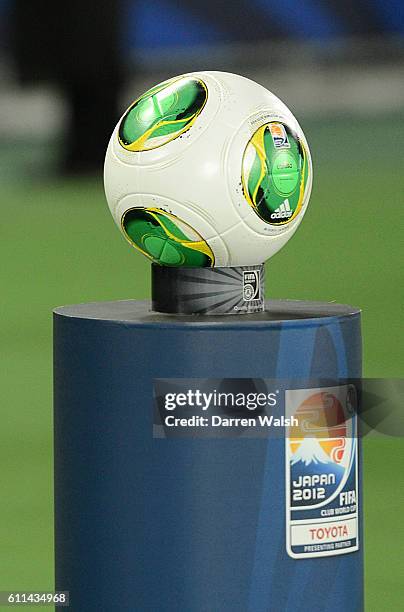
{"x":186,"y":524}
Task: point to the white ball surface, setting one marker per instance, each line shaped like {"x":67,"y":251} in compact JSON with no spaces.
{"x":208,"y":169}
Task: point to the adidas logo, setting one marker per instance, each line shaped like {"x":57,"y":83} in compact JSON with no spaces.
{"x":283,"y":212}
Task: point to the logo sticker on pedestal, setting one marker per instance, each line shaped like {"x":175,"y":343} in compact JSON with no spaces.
{"x":322,"y":472}
{"x":251,"y":285}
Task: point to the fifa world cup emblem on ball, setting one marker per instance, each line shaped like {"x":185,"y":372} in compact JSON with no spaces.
{"x":275,"y":172}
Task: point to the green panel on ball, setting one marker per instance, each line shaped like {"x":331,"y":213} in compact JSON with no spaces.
{"x":162,"y":114}
{"x":165,"y":239}
{"x":274,"y":173}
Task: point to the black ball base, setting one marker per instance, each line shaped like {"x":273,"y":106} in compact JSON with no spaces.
{"x":208,"y":290}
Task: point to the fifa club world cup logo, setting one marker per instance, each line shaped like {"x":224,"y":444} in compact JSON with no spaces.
{"x":321,"y":436}
{"x":322,"y":473}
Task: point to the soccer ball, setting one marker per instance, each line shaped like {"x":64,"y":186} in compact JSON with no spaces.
{"x":208,"y":169}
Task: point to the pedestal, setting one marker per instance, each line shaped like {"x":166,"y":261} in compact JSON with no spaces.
{"x":152,"y":518}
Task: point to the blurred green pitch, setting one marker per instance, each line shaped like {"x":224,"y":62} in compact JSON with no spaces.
{"x":59,"y":246}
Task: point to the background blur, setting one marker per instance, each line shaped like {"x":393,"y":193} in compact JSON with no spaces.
{"x":67,"y":71}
